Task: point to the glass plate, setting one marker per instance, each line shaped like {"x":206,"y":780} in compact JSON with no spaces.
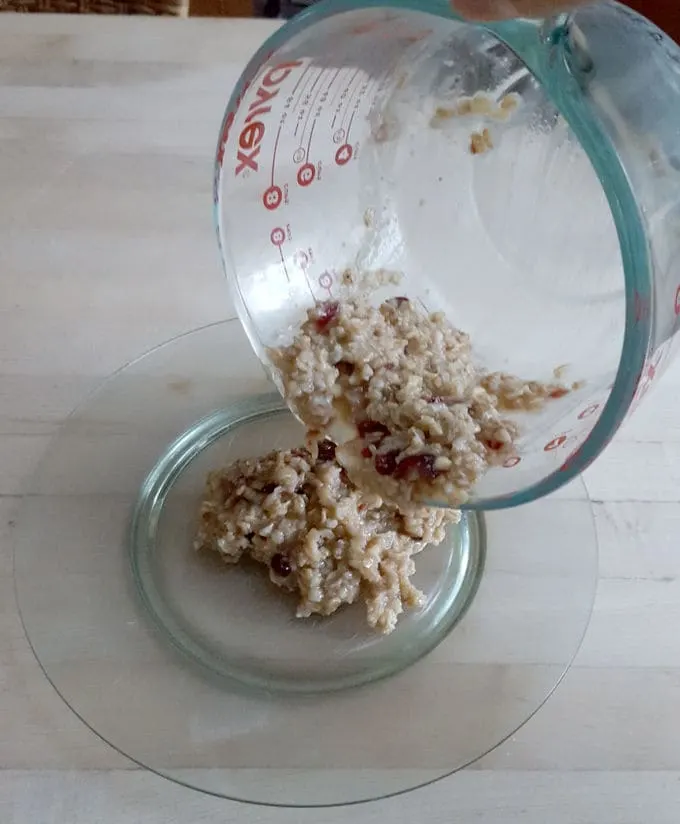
{"x":200,"y":671}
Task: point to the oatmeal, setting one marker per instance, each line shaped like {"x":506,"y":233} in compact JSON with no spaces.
{"x":318,"y":535}
{"x":417,"y":419}
{"x":480,"y":105}
{"x":480,"y":142}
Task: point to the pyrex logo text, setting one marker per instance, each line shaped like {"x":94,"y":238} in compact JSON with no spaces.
{"x":252,"y":133}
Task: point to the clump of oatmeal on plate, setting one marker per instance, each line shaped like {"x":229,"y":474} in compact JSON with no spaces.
{"x":320,"y":537}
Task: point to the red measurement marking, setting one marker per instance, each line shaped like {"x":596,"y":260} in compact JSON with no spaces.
{"x":306,"y":174}
{"x":641,"y":307}
{"x":325,"y":280}
{"x":272,"y":198}
{"x":570,"y":460}
{"x":646,"y":377}
{"x":588,"y":411}
{"x":555,"y":443}
{"x":677,"y":301}
{"x":344,"y":154}
{"x":277,"y":236}
{"x":642,"y":388}
{"x":220,"y":152}
{"x":508,"y":463}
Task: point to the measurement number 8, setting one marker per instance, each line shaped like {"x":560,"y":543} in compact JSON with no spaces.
{"x":277,"y":236}
{"x":272,"y":198}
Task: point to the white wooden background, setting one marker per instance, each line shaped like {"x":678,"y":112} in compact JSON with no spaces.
{"x":107,"y":131}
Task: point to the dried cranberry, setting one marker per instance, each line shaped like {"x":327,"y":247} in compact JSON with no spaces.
{"x":344,"y":367}
{"x":397,"y":301}
{"x":280,"y":565}
{"x":326,"y":450}
{"x":372,"y":427}
{"x":560,"y":392}
{"x":366,"y":452}
{"x":328,"y":312}
{"x":268,"y":488}
{"x":419,"y":465}
{"x":386,"y":463}
{"x":493,"y":444}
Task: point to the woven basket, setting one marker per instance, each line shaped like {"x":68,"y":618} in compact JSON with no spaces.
{"x":221,"y":8}
{"x":177,"y":8}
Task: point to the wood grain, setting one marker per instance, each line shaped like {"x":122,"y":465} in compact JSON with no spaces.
{"x":107,"y":130}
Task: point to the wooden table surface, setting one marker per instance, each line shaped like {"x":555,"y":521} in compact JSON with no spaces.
{"x":107,"y":131}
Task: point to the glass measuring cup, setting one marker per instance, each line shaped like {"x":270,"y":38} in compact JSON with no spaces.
{"x":348,"y":143}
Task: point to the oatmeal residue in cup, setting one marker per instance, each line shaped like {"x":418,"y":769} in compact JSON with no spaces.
{"x":417,"y":420}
